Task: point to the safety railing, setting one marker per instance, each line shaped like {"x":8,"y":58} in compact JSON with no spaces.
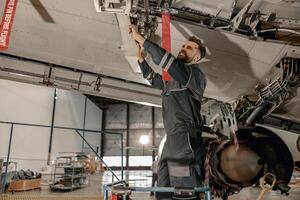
{"x":122,"y":189}
{"x":77,"y":131}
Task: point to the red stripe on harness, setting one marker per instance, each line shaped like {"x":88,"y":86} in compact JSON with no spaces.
{"x":6,"y":23}
{"x":166,"y":40}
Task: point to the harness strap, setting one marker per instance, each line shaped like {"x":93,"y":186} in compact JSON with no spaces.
{"x":166,"y":40}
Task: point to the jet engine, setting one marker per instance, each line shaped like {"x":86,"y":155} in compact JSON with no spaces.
{"x":259,"y":152}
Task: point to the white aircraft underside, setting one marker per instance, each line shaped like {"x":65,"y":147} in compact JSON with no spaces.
{"x":80,"y":38}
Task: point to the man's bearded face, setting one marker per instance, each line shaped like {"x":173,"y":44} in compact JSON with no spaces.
{"x":188,"y":52}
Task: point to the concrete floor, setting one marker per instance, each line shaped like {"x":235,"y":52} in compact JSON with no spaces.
{"x":137,"y":178}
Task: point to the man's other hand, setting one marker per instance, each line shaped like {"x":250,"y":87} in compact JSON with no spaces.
{"x":132,"y":29}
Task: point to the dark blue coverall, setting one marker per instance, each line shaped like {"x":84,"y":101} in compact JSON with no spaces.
{"x":181,"y":160}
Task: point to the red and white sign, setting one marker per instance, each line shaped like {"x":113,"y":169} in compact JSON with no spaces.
{"x":6,"y":23}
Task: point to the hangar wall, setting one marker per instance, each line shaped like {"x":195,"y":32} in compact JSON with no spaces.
{"x":32,"y":104}
{"x":140,"y":123}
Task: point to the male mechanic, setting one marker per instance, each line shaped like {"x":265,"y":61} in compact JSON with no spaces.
{"x":181,"y":160}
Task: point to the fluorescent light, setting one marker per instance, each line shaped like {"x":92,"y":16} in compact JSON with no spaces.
{"x":144,"y":139}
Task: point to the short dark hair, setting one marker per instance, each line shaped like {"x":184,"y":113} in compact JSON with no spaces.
{"x":201,"y":47}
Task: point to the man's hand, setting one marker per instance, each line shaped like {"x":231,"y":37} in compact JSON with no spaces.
{"x":132,"y":29}
{"x":136,"y":35}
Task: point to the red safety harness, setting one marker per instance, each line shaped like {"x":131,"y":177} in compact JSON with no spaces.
{"x":6,"y":23}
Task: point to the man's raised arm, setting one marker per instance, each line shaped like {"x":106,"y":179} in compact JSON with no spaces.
{"x":148,"y":73}
{"x":163,"y":59}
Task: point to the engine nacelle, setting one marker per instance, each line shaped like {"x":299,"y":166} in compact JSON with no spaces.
{"x":260,"y":152}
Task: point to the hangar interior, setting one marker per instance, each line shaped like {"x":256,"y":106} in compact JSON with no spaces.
{"x":80,"y":118}
{"x":25,"y":140}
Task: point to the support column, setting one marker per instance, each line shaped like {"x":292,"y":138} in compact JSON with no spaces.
{"x":122,"y":155}
{"x":52,"y":125}
{"x":84,"y":121}
{"x":127,"y":134}
{"x":103,"y":127}
{"x":153,"y":133}
{"x":7,"y":159}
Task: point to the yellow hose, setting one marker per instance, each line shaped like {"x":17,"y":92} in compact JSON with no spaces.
{"x":264,"y":186}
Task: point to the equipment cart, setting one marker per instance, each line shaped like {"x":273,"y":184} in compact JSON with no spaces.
{"x":70,"y":172}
